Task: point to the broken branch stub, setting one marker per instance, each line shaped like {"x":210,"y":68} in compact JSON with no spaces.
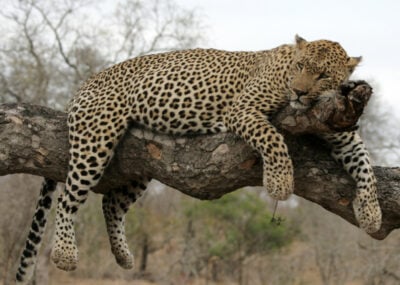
{"x":333,"y":112}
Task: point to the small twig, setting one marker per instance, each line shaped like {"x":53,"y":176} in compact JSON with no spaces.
{"x":277,"y":221}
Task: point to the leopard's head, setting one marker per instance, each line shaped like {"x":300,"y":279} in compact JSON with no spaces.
{"x":319,"y":67}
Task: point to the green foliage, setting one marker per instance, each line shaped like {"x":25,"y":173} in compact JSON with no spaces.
{"x":237,"y":225}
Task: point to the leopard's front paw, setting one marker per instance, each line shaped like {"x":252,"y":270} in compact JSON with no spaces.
{"x":368,"y":213}
{"x":280,"y":185}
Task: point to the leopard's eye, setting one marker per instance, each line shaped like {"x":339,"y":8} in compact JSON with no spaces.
{"x":322,"y":75}
{"x":300,"y":66}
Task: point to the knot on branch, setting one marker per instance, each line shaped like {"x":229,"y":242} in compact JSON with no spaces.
{"x":350,"y":102}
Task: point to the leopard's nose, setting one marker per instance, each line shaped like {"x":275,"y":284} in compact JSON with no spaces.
{"x":300,"y":92}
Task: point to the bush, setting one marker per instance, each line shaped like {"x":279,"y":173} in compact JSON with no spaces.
{"x":236,"y":226}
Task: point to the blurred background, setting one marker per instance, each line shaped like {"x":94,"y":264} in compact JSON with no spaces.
{"x":49,"y":47}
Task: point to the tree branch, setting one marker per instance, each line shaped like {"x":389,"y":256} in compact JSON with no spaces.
{"x":54,"y":29}
{"x":33,"y":139}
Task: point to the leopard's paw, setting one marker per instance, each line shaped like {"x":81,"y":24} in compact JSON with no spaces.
{"x":280,"y":185}
{"x":368,"y":213}
{"x":65,"y":256}
{"x":124,"y":259}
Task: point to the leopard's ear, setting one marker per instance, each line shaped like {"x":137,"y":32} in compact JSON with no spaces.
{"x":300,"y":42}
{"x":352,"y":62}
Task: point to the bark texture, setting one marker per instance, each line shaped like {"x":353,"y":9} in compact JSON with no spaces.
{"x":33,"y":139}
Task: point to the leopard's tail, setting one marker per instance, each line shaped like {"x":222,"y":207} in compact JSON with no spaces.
{"x":29,"y":254}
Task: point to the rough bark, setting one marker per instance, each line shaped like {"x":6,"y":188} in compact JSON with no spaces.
{"x":33,"y":139}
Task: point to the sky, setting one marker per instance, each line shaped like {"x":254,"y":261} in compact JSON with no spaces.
{"x":363,"y":27}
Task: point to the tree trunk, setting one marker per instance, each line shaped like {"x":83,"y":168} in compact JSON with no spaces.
{"x":33,"y":140}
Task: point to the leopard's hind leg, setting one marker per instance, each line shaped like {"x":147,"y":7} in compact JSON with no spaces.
{"x":92,"y":147}
{"x":116,"y":203}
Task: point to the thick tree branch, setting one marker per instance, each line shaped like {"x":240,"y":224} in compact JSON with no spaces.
{"x":33,"y":140}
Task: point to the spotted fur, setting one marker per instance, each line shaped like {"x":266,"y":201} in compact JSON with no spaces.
{"x":203,"y":91}
{"x":115,"y":205}
{"x":32,"y":245}
{"x":349,"y":150}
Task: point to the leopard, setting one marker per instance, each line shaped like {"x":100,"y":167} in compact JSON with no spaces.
{"x":196,"y":91}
